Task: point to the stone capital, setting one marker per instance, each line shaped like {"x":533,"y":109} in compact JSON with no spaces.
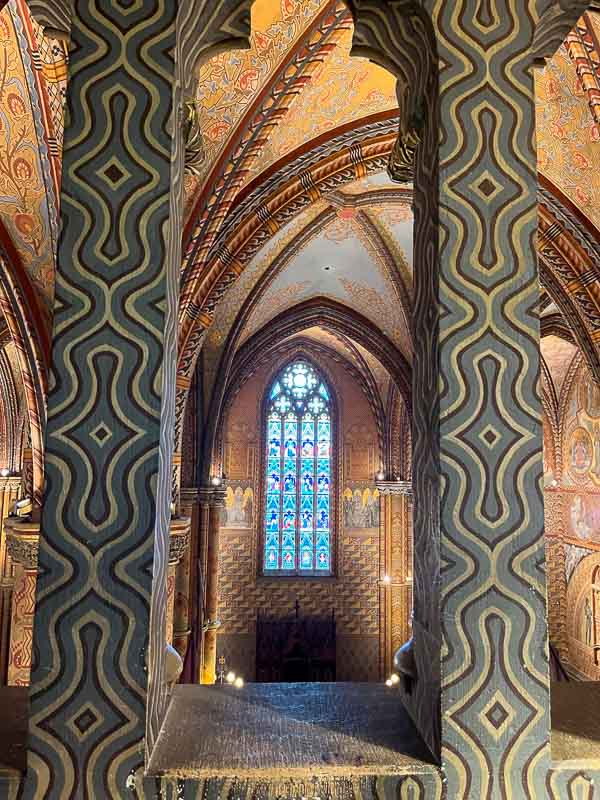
{"x":395,"y":487}
{"x":179,"y":538}
{"x":22,"y":541}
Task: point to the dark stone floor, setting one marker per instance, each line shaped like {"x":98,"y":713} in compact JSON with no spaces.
{"x":14,"y":704}
{"x":275,"y":730}
{"x":576,"y":721}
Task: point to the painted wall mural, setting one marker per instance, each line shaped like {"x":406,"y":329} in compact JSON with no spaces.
{"x":239,"y":507}
{"x":567,"y":134}
{"x":28,"y":169}
{"x":361,"y":508}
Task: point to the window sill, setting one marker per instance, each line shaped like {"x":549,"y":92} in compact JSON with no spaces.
{"x":289,"y":578}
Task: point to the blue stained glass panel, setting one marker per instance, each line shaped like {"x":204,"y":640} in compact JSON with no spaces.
{"x":324,"y":435}
{"x":289,"y":476}
{"x":289,"y":503}
{"x":306,"y":520}
{"x":272,"y":521}
{"x":290,"y":445}
{"x":308,"y":439}
{"x":274,"y":439}
{"x":322,"y":520}
{"x":287,"y":558}
{"x":289,"y":520}
{"x":308,"y":477}
{"x":298,"y":472}
{"x":306,"y":502}
{"x":306,"y":558}
{"x":323,"y":476}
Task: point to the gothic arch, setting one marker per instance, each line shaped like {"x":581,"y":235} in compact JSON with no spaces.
{"x":321,"y":311}
{"x":30,"y":336}
{"x":287,"y":350}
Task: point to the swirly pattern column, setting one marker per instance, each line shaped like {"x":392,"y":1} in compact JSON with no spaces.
{"x":494,"y":690}
{"x":106,"y":405}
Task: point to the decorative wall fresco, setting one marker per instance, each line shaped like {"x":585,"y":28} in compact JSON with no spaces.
{"x":27,"y":184}
{"x":228,"y":82}
{"x":361,"y":508}
{"x":239,"y":507}
{"x":567,"y":135}
{"x":341,"y":89}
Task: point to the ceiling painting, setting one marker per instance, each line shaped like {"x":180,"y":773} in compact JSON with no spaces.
{"x":377,"y":180}
{"x":568,"y":139}
{"x":339,"y":264}
{"x":342,"y":89}
{"x":27,"y":182}
{"x":378,"y":371}
{"x":229,"y":82}
{"x":230,"y":305}
{"x":558,"y":355}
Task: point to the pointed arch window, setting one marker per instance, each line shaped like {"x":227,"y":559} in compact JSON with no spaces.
{"x":298,"y":481}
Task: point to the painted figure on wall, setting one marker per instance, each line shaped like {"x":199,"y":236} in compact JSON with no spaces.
{"x":361,"y":508}
{"x":589,"y":621}
{"x":578,"y":515}
{"x":239,"y":507}
{"x":581,"y":451}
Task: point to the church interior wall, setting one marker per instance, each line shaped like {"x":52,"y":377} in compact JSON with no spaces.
{"x":353,"y":592}
{"x":572,"y":522}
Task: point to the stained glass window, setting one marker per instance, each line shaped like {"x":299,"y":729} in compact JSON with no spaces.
{"x":298,"y":491}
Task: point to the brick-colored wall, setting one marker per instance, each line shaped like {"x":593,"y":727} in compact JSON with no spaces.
{"x":354,"y":590}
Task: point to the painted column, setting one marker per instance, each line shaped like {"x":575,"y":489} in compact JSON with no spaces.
{"x":477,"y":416}
{"x":396,"y":571}
{"x":22,"y":539}
{"x":10,"y":491}
{"x":178,"y":546}
{"x":185,"y":584}
{"x":211,"y":623}
{"x":104,"y":531}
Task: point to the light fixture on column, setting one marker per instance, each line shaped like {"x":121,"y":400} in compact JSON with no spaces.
{"x":4,"y":472}
{"x":380,"y":476}
{"x":216,"y":480}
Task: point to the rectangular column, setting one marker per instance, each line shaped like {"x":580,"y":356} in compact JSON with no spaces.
{"x":109,"y":434}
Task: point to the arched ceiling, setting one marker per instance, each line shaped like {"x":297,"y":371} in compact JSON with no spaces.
{"x":558,"y":355}
{"x":331,"y":87}
{"x":32,"y":86}
{"x":568,"y":135}
{"x":358,"y":255}
{"x":295,"y":98}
